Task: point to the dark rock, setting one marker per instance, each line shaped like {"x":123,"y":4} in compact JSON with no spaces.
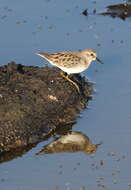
{"x":36,"y":102}
{"x":85,"y":12}
{"x":122,"y":11}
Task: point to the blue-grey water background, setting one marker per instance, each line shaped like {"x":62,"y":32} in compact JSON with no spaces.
{"x":57,"y":25}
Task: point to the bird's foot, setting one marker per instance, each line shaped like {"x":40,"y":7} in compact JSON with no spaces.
{"x":67,"y":78}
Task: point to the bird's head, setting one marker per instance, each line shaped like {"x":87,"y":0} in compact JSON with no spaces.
{"x":91,"y":55}
{"x":91,"y":148}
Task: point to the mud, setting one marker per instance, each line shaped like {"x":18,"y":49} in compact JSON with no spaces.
{"x":35,"y":103}
{"x":122,"y":11}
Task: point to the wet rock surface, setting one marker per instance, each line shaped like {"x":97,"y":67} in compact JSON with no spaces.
{"x":122,"y":11}
{"x":35,"y":103}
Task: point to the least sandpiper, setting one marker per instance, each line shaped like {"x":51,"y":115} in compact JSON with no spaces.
{"x":73,"y":141}
{"x":71,"y":62}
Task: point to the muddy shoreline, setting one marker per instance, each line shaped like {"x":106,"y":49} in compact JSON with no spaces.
{"x":36,"y":102}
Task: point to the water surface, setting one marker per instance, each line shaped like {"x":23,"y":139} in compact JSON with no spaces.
{"x":50,"y":26}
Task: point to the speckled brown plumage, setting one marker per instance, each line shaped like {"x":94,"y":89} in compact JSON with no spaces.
{"x":71,"y":62}
{"x":64,"y":59}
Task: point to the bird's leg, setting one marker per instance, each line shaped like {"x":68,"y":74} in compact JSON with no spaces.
{"x":67,"y":78}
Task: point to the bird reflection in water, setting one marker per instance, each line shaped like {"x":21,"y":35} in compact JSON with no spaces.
{"x":71,"y":142}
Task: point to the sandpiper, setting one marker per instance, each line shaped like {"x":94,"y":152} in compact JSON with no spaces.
{"x":73,"y":141}
{"x":71,"y":62}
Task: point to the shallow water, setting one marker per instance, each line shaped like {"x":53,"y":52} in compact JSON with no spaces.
{"x":50,"y":26}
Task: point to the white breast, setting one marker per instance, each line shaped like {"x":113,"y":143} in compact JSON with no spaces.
{"x":76,"y":69}
{"x":72,"y":138}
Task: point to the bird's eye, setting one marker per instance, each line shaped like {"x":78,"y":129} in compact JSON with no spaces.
{"x":92,"y":54}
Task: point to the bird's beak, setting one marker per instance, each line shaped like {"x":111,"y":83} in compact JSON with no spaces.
{"x":99,"y":144}
{"x":97,"y":59}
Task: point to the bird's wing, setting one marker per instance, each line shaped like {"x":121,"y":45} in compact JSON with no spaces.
{"x":44,"y":55}
{"x":64,"y":59}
